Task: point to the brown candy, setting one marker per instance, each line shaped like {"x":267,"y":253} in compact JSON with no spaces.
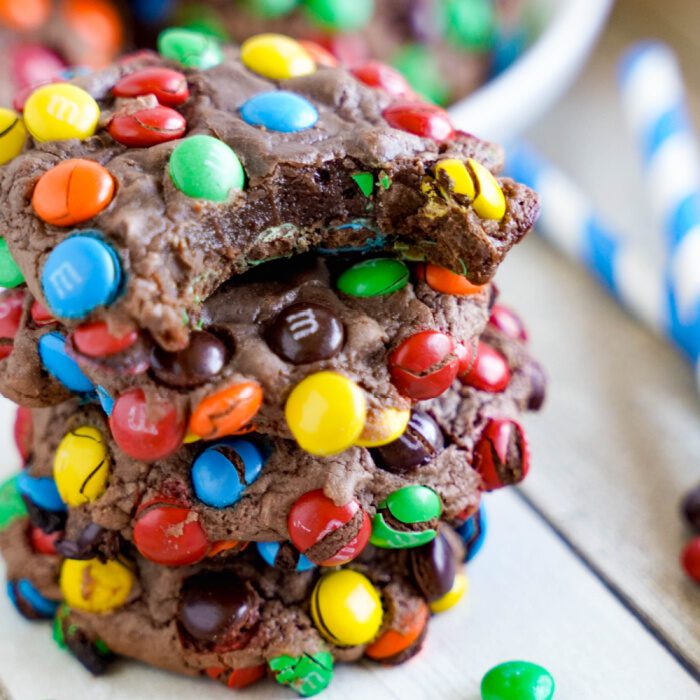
{"x":204,"y":358}
{"x":433,"y":567}
{"x":305,"y":332}
{"x":420,"y":443}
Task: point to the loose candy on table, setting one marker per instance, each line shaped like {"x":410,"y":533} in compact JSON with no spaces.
{"x":326,"y":413}
{"x":226,"y":412}
{"x":373,"y":278}
{"x":56,"y":361}
{"x":383,"y":427}
{"x":95,"y":586}
{"x":81,"y":466}
{"x":433,"y":568}
{"x":29,"y":602}
{"x":346,"y":608}
{"x":13,"y":135}
{"x":308,"y":674}
{"x":408,"y":628}
{"x":453,"y":596}
{"x":94,"y":339}
{"x":147,"y":127}
{"x":270,"y":551}
{"x":690,"y":559}
{"x":489,"y":371}
{"x":61,"y":111}
{"x":502,"y":455}
{"x":340,"y":15}
{"x":11,"y":504}
{"x":10,"y":274}
{"x":276,"y":57}
{"x":190,"y":48}
{"x":279,"y":110}
{"x":517,"y":680}
{"x":421,"y":119}
{"x":169,"y":86}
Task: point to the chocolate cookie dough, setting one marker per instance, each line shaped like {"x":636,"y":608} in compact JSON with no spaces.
{"x":148,"y":184}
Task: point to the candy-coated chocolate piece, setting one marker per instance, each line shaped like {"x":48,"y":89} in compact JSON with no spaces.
{"x":146,"y":428}
{"x":24,"y":16}
{"x":517,"y":680}
{"x":62,"y":367}
{"x":72,"y":192}
{"x":276,"y":56}
{"x":421,"y":119}
{"x":270,"y":552}
{"x":92,"y":653}
{"x":340,"y":15}
{"x":326,"y":413}
{"x":190,"y":48}
{"x":445,"y":281}
{"x":453,"y":596}
{"x":11,"y":314}
{"x":23,"y":432}
{"x":221,"y":473}
{"x":272,"y":8}
{"x":81,"y":466}
{"x":41,"y":491}
{"x":279,"y":110}
{"x":373,"y":278}
{"x":105,"y":399}
{"x":237,"y":678}
{"x":420,"y":443}
{"x":489,"y":203}
{"x":170,"y":534}
{"x":10,"y":274}
{"x":95,"y":586}
{"x":313,"y":517}
{"x":11,"y":504}
{"x":169,"y":86}
{"x":690,"y":559}
{"x":413,"y":504}
{"x":508,"y":323}
{"x":422,"y":69}
{"x":33,"y":65}
{"x":392,"y":643}
{"x":203,"y":167}
{"x":434,"y":568}
{"x":29,"y":602}
{"x":409,"y":505}
{"x":320,"y":55}
{"x":81,"y":274}
{"x":469,"y":24}
{"x":380,"y":75}
{"x":43,"y":542}
{"x":489,"y":372}
{"x":691,"y":508}
{"x":203,"y":359}
{"x":473,"y":533}
{"x":305,"y":332}
{"x":61,"y":111}
{"x":95,"y":340}
{"x":98,"y":25}
{"x":308,"y":674}
{"x":346,"y":608}
{"x":226,"y":412}
{"x":147,"y":127}
{"x":41,"y":315}
{"x":454,"y":178}
{"x":12,"y":135}
{"x":502,"y":455}
{"x":424,"y":365}
{"x":383,"y":427}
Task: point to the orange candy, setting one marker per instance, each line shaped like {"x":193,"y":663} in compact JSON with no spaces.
{"x":447,"y":282}
{"x":393,"y":642}
{"x":72,"y":192}
{"x":227,"y":411}
{"x":25,"y":15}
{"x":321,"y":56}
{"x":99,"y":26}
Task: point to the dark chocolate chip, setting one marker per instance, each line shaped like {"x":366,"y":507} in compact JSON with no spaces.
{"x":420,"y":443}
{"x":93,"y":541}
{"x":305,"y":332}
{"x":433,"y":567}
{"x":691,"y":508}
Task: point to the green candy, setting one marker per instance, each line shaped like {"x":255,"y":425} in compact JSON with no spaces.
{"x":205,"y":168}
{"x":10,"y":274}
{"x":517,"y":680}
{"x":340,"y":15}
{"x":271,"y":8}
{"x":386,"y":537}
{"x":420,"y":67}
{"x":365,"y":181}
{"x":374,"y":278}
{"x":204,"y":21}
{"x":190,"y":48}
{"x":11,"y":503}
{"x":307,"y":674}
{"x":470,"y":24}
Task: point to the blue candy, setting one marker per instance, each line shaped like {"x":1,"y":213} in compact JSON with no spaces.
{"x":473,"y":533}
{"x":80,"y":274}
{"x":25,"y":589}
{"x":57,"y":362}
{"x":268,"y":551}
{"x":215,"y":478}
{"x":105,"y":399}
{"x":41,"y":491}
{"x":280,"y":111}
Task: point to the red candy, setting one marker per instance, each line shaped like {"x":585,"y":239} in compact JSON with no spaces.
{"x":237,"y":678}
{"x":508,"y":323}
{"x":420,"y":118}
{"x":94,"y":340}
{"x":32,"y":64}
{"x":690,"y":559}
{"x":314,"y":516}
{"x":147,"y":127}
{"x":168,"y":533}
{"x":465,"y":355}
{"x":169,"y":86}
{"x":494,"y":459}
{"x":42,"y":542}
{"x":23,"y":431}
{"x":146,"y":430}
{"x":490,"y":371}
{"x":379,"y":75}
{"x":321,"y":56}
{"x":425,"y":364}
{"x":350,"y":49}
{"x":11,"y":314}
{"x":40,"y":314}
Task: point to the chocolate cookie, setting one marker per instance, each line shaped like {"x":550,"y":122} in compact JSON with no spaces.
{"x":148,"y":184}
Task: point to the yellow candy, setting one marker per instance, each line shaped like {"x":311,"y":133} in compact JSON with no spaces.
{"x":326,"y":413}
{"x":457,"y":172}
{"x":453,"y":596}
{"x":383,"y":427}
{"x":489,"y":202}
{"x":191,"y":437}
{"x":81,"y":466}
{"x":276,"y":56}
{"x":60,"y":111}
{"x":12,"y":135}
{"x":346,"y":608}
{"x":94,"y":586}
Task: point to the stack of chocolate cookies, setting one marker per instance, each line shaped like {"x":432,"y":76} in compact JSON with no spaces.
{"x":264,"y":374}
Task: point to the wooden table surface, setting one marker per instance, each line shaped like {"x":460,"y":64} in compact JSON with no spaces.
{"x":580,"y":571}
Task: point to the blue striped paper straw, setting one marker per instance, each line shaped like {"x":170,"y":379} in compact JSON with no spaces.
{"x":655,"y":105}
{"x":570,"y":222}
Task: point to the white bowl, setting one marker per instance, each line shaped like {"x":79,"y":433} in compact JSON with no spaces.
{"x":508,"y":104}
